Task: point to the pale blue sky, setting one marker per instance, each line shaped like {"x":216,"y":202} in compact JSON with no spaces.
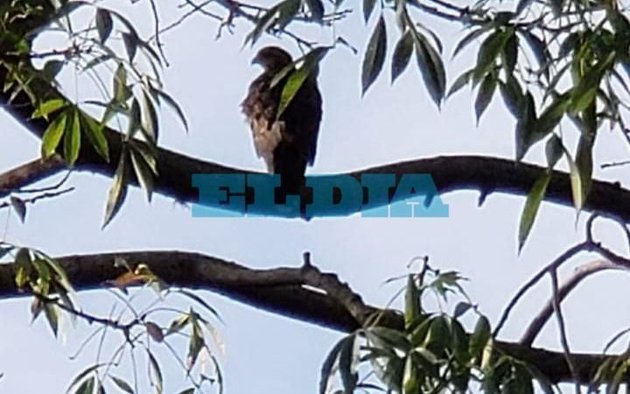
{"x":272,"y":354}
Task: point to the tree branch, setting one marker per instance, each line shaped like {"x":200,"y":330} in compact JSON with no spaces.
{"x":449,"y":173}
{"x":282,"y":291}
{"x":26,"y":174}
{"x":571,"y":283}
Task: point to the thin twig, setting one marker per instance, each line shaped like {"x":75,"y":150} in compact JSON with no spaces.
{"x":562,"y":328}
{"x":578,"y":276}
{"x":156,"y":21}
{"x":185,"y":16}
{"x":42,"y":196}
{"x":46,"y":188}
{"x":572,"y":251}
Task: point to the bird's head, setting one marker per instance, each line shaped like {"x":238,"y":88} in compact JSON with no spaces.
{"x":272,"y":58}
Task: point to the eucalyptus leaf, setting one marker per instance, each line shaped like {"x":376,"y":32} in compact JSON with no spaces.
{"x":374,"y":55}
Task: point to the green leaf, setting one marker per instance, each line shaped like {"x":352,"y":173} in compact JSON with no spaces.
{"x":178,"y":324}
{"x":538,"y":48}
{"x":60,"y":274}
{"x":23,"y":267}
{"x":413,"y":308}
{"x":489,"y":50}
{"x":264,"y":23}
{"x":147,"y":152}
{"x":569,"y":44}
{"x":551,"y":117}
{"x":411,"y":385}
{"x":329,"y":363}
{"x":387,"y":337}
{"x":87,"y":387}
{"x":72,"y":138}
{"x":439,"y":335}
{"x":121,"y":91}
{"x":368,"y":7}
{"x":390,"y":371}
{"x":19,"y":207}
{"x":402,"y":54}
{"x":525,"y":126}
{"x":51,"y":312}
{"x":584,"y":164}
{"x":419,"y":334}
{"x":195,"y":344}
{"x":460,"y":82}
{"x":468,"y":38}
{"x":83,"y":374}
{"x":583,"y":95}
{"x":459,"y":343}
{"x":431,"y":68}
{"x":553,"y":150}
{"x":509,"y":55}
{"x":52,"y":135}
{"x":286,"y":12}
{"x":104,"y":24}
{"x":512,"y":96}
{"x":317,"y":9}
{"x":299,"y":76}
{"x":461,"y":308}
{"x":535,"y":196}
{"x":174,"y":106}
{"x":96,"y":61}
{"x":156,"y":372}
{"x":37,"y":306}
{"x":577,"y":188}
{"x":118,"y":190}
{"x":201,"y":301}
{"x":374,"y":55}
{"x":479,"y":338}
{"x":130,"y":26}
{"x":150,"y":117}
{"x":143,"y":172}
{"x":94,"y":132}
{"x":347,"y":361}
{"x":49,"y":106}
{"x":51,"y":69}
{"x":131,"y":42}
{"x":122,"y":384}
{"x":135,"y":118}
{"x":44,"y":275}
{"x":484,"y":95}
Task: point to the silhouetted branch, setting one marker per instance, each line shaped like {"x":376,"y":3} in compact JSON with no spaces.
{"x":281,"y":290}
{"x":571,"y":283}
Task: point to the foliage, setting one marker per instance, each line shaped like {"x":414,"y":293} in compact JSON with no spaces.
{"x":140,"y":329}
{"x":432,"y":353}
{"x":550,"y":61}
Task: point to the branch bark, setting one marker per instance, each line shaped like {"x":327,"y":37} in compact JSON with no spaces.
{"x":175,"y":170}
{"x":449,"y":173}
{"x":281,"y":291}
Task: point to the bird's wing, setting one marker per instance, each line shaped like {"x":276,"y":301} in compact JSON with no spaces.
{"x":302,"y":119}
{"x":260,"y":107}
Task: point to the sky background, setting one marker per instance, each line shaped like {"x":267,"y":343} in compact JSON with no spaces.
{"x":267,"y":353}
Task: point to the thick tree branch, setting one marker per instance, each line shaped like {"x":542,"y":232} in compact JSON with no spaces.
{"x":31,"y":172}
{"x":449,"y":173}
{"x":281,"y":291}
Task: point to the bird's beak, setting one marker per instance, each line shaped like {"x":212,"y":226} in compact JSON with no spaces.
{"x":255,"y":60}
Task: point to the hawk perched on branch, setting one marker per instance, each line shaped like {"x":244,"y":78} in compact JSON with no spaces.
{"x":287,"y":142}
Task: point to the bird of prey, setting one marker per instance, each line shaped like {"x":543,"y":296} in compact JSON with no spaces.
{"x":288,"y":142}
